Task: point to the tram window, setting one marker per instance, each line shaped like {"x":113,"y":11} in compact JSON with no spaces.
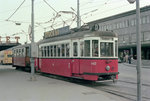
{"x":45,"y":51}
{"x":87,"y":48}
{"x":14,"y":53}
{"x":27,"y":52}
{"x":54,"y":50}
{"x":63,"y":50}
{"x":19,"y":52}
{"x":22,"y":52}
{"x":42,"y":51}
{"x":67,"y":50}
{"x":116,"y":48}
{"x":106,"y":49}
{"x":81,"y":48}
{"x":48,"y":51}
{"x":58,"y":50}
{"x":75,"y":49}
{"x":95,"y":48}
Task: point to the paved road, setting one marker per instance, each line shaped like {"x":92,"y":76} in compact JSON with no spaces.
{"x":15,"y":86}
{"x":126,"y":87}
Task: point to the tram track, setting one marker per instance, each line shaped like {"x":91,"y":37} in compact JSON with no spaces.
{"x":147,"y":85}
{"x":130,"y":97}
{"x":102,"y":86}
{"x":119,"y":91}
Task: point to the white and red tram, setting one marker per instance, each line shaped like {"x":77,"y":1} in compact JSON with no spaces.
{"x":89,"y":55}
{"x":21,"y":56}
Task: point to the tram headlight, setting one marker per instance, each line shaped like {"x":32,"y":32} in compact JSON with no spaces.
{"x":107,"y":68}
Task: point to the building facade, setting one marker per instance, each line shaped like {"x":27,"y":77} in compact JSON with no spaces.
{"x":124,"y":25}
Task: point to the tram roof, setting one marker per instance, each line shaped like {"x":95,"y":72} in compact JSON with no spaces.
{"x":80,"y":34}
{"x":20,"y":46}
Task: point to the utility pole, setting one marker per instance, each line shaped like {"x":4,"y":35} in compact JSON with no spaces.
{"x":32,"y":78}
{"x":78,"y":15}
{"x":138,"y":42}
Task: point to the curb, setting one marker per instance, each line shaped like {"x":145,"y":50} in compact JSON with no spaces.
{"x":131,"y":65}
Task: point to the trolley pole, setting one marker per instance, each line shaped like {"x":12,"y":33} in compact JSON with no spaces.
{"x":32,"y":78}
{"x":138,"y":41}
{"x":78,"y":15}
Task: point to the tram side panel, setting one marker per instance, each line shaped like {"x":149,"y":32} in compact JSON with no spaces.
{"x":75,"y":66}
{"x":56,"y":66}
{"x":95,"y":69}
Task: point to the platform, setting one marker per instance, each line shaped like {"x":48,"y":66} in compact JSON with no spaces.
{"x":16,"y":86}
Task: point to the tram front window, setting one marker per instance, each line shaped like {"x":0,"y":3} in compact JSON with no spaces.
{"x":106,"y":49}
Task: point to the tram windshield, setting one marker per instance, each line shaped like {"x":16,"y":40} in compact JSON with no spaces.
{"x":106,"y":49}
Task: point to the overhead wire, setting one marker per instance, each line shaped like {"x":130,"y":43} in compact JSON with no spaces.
{"x":111,"y":9}
{"x":54,"y":10}
{"x":16,"y":10}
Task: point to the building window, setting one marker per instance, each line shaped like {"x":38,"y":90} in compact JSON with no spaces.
{"x":87,"y":48}
{"x":123,"y":24}
{"x":143,"y":20}
{"x":148,"y":20}
{"x":114,"y":26}
{"x":132,"y":22}
{"x":127,"y":23}
{"x":117,"y":25}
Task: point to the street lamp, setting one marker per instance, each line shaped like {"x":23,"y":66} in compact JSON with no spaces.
{"x":131,"y":1}
{"x":138,"y":42}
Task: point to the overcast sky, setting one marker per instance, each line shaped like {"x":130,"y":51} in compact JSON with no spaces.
{"x":90,"y":10}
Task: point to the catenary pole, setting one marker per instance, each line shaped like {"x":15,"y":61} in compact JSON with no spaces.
{"x":78,"y":15}
{"x":138,"y":43}
{"x":138,"y":40}
{"x":32,"y":43}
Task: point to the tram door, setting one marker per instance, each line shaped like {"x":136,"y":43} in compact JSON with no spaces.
{"x":75,"y":60}
{"x":27,"y":56}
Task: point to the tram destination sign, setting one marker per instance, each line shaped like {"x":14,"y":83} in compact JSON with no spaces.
{"x":56,"y":32}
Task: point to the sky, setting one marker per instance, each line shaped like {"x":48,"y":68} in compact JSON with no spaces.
{"x":47,"y":18}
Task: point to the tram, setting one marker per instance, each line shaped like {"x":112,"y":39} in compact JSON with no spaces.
{"x":88,"y":55}
{"x":6,"y":57}
{"x":21,"y":56}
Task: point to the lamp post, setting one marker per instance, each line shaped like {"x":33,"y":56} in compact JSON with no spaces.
{"x":138,"y":42}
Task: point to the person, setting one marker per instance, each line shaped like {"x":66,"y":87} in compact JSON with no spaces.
{"x":129,"y":59}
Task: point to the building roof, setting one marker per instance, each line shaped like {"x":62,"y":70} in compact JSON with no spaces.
{"x":144,"y":9}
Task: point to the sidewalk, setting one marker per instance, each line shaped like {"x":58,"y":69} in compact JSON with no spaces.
{"x":16,"y":86}
{"x":133,"y":65}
